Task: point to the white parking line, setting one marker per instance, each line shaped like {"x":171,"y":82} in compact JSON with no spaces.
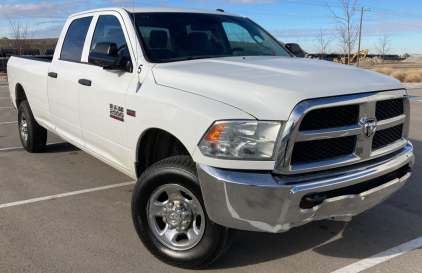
{"x":65,"y":194}
{"x":20,"y":147}
{"x":381,"y":257}
{"x":8,"y":122}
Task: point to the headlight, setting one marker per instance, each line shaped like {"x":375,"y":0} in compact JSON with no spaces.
{"x":249,"y":140}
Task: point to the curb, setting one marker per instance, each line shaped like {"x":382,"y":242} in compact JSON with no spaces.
{"x":410,"y":87}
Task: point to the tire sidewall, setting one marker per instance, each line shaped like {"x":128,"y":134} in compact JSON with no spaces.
{"x":144,"y":188}
{"x":24,"y":110}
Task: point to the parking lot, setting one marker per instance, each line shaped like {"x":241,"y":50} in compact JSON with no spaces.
{"x":65,"y":211}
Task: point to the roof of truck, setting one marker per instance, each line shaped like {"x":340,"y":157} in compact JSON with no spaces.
{"x":160,"y":9}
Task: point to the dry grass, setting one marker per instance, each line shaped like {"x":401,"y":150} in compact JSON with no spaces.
{"x":384,"y":70}
{"x":409,"y":76}
{"x":399,"y":75}
{"x":414,"y":78}
{"x":414,"y":71}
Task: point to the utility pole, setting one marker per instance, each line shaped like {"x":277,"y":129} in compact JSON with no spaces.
{"x":360,"y":31}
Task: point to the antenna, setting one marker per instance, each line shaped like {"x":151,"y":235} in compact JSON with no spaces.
{"x":134,"y":28}
{"x":139,"y":69}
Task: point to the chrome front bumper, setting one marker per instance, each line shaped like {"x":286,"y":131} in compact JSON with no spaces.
{"x":263,"y":202}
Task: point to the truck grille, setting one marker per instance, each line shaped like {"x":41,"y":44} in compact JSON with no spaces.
{"x":385,"y":137}
{"x":323,"y":118}
{"x":389,"y":109}
{"x":316,"y":150}
{"x":325,"y":133}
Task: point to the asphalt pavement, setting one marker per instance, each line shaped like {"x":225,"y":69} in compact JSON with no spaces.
{"x":89,"y":227}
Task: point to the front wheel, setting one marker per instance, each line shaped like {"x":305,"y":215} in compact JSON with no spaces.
{"x":170,"y":217}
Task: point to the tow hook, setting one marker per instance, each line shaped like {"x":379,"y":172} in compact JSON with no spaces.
{"x":311,"y":200}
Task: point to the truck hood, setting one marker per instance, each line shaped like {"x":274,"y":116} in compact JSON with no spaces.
{"x":268,"y":88}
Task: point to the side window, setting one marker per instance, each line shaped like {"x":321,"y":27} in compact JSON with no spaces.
{"x":75,"y":39}
{"x":108,"y":29}
{"x":240,"y":39}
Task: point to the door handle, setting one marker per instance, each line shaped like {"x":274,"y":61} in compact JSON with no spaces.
{"x":85,"y":82}
{"x":52,"y":74}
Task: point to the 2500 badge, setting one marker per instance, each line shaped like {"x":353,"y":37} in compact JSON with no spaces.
{"x":117,"y":112}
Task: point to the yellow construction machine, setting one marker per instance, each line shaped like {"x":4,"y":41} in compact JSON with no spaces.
{"x":343,"y":60}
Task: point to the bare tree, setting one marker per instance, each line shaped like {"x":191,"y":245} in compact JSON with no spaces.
{"x":383,"y":45}
{"x":322,"y":43}
{"x":342,"y":42}
{"x":346,"y":27}
{"x":21,"y":36}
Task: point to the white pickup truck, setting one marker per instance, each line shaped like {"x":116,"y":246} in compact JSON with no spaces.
{"x":220,"y":124}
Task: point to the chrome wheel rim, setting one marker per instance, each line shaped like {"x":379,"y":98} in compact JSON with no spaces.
{"x":176,"y":217}
{"x":24,"y":128}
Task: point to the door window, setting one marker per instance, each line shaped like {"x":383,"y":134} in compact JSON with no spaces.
{"x":109,"y":30}
{"x":75,"y":39}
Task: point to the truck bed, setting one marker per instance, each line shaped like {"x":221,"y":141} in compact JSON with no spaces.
{"x":31,"y":74}
{"x":41,"y":58}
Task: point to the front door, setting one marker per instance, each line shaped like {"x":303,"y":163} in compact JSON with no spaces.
{"x":102,"y":110}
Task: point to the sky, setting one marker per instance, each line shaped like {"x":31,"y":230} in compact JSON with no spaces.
{"x":290,"y":21}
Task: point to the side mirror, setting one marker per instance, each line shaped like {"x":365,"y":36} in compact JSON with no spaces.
{"x":105,"y":55}
{"x":296,"y":50}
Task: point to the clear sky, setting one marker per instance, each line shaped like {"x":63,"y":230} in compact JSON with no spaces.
{"x":288,"y":20}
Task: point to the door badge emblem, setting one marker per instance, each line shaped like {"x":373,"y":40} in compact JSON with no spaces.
{"x":117,"y":112}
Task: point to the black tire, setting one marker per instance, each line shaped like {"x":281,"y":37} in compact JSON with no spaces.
{"x":36,"y":134}
{"x":180,"y":170}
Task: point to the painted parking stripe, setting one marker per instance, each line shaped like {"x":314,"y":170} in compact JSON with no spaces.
{"x":20,"y":147}
{"x":2,"y":206}
{"x":8,"y":122}
{"x":381,"y":257}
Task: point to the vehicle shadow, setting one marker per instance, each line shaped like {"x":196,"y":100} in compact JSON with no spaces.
{"x":60,"y":148}
{"x":394,"y":222}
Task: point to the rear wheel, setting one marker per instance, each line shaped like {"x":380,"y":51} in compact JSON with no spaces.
{"x":33,"y":136}
{"x":170,"y":217}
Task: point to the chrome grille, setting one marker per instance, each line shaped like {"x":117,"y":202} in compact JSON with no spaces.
{"x":310,"y":151}
{"x":323,"y":118}
{"x":387,"y":136}
{"x":315,"y":147}
{"x":389,"y":109}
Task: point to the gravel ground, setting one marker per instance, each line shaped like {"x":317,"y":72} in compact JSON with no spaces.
{"x":3,"y":78}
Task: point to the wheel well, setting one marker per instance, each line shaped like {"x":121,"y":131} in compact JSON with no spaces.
{"x":20,"y":95}
{"x":156,"y":145}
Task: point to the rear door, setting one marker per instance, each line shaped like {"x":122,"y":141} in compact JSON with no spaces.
{"x":102,"y":109}
{"x":63,"y":86}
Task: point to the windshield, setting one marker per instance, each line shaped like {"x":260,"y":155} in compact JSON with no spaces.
{"x":170,"y":37}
